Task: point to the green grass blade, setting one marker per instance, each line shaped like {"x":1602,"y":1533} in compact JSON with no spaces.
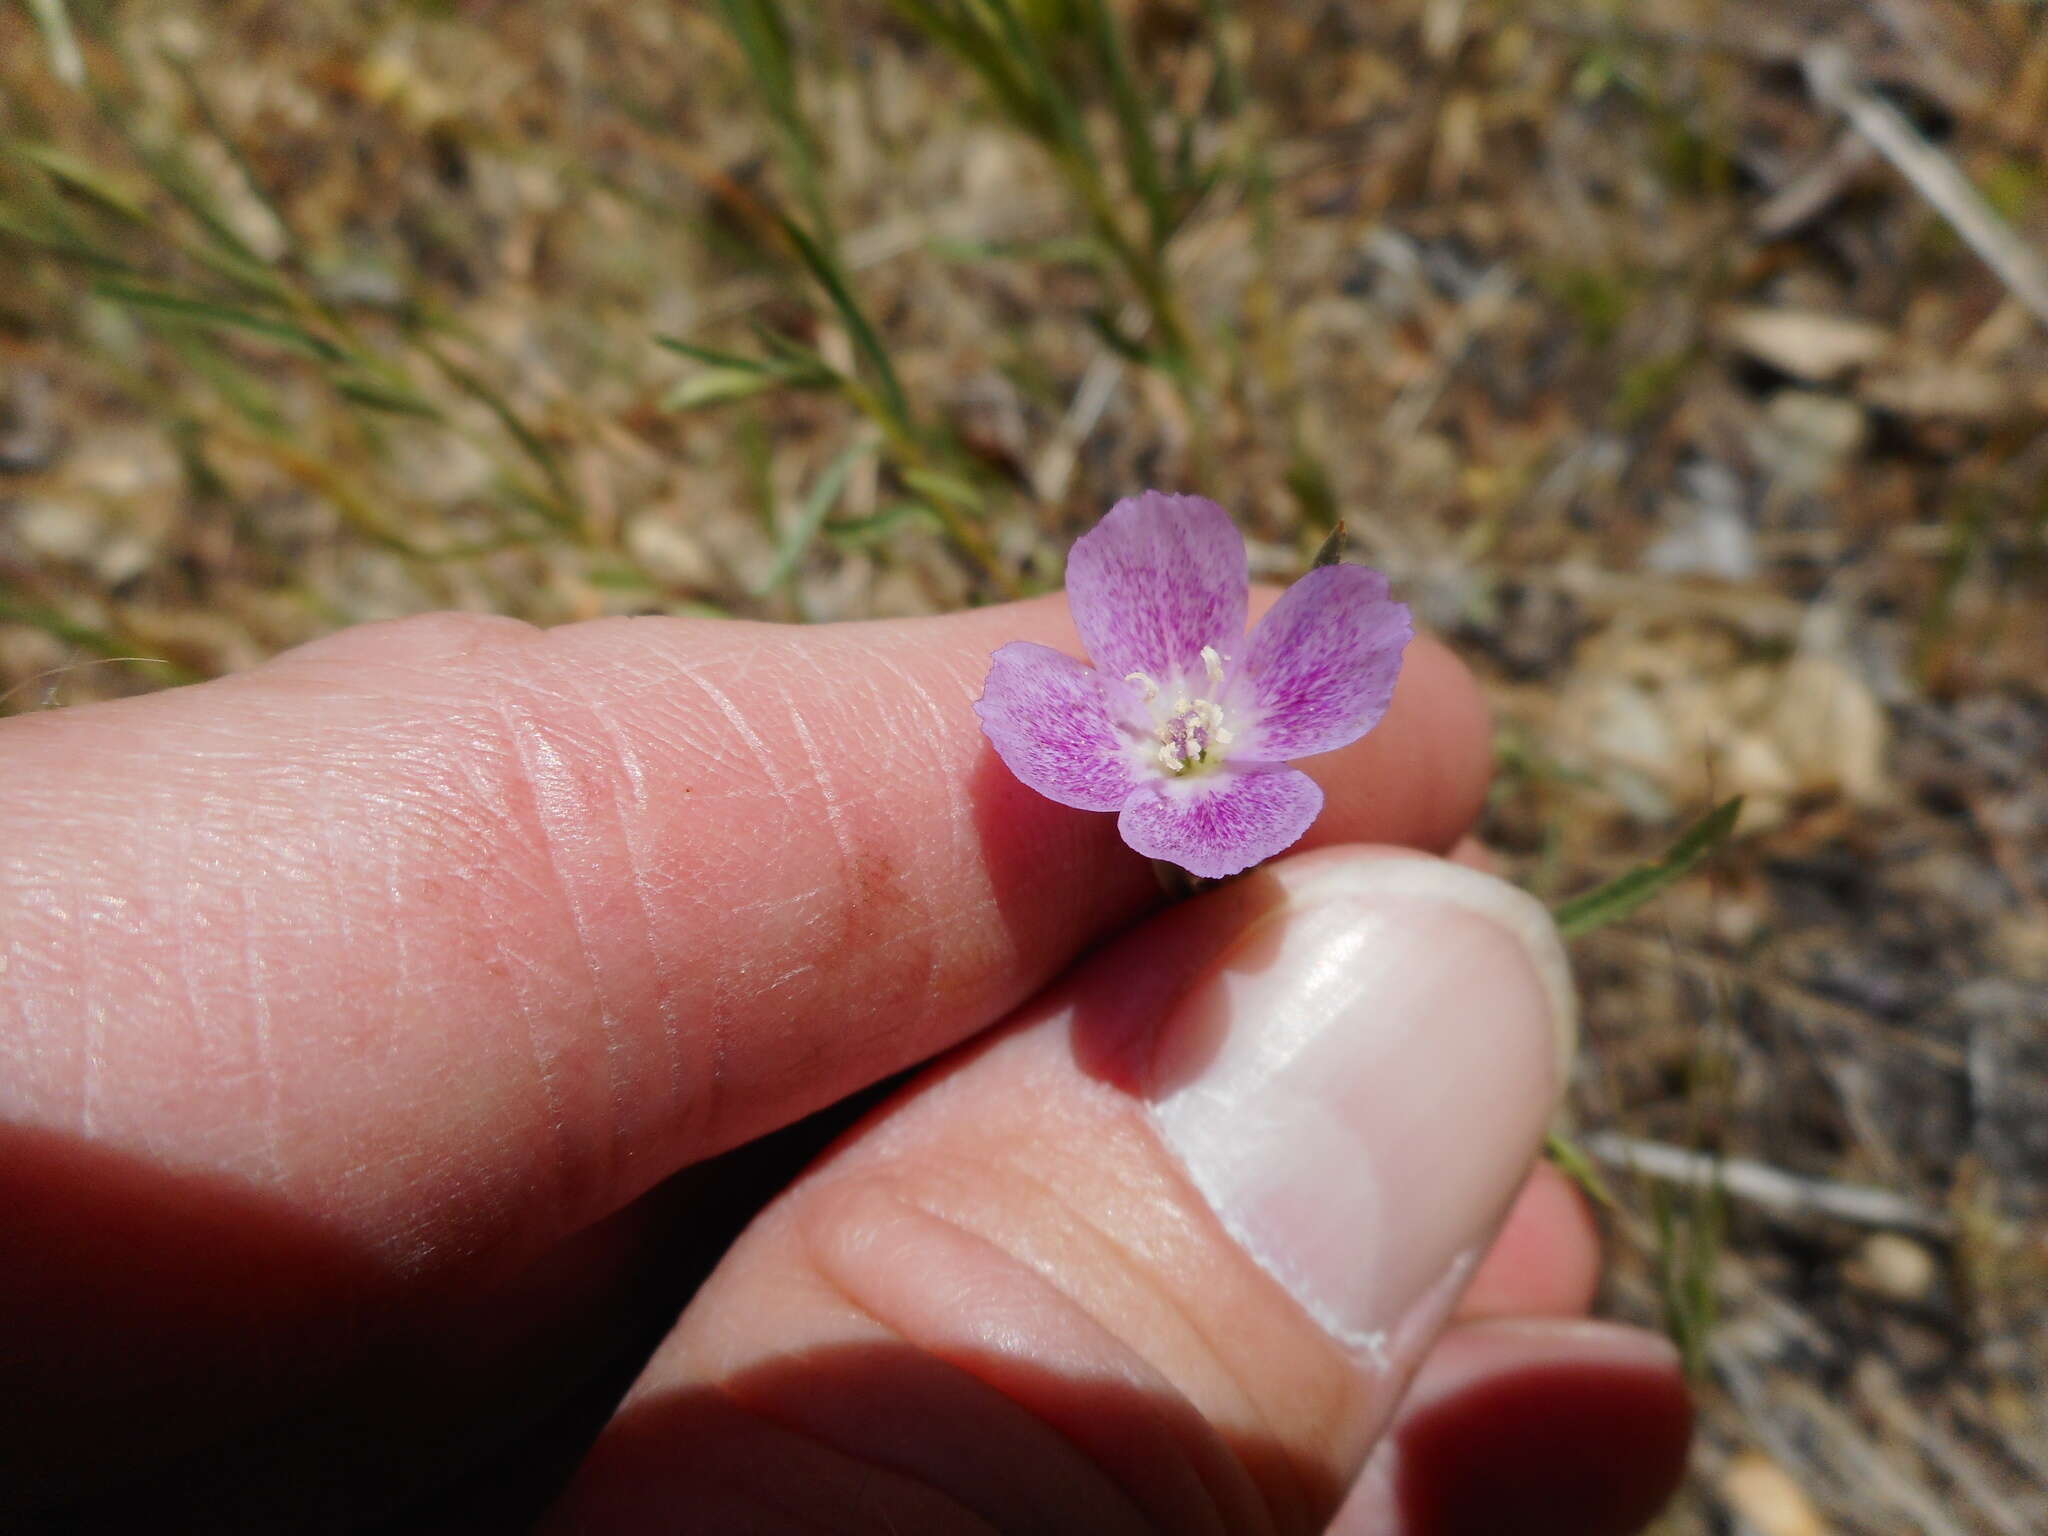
{"x":568,"y":509}
{"x":1141,"y":155}
{"x":212,"y":314}
{"x":244,"y":166}
{"x":984,"y":53}
{"x":825,"y":271}
{"x":1571,"y":1159}
{"x":763,"y":36}
{"x":1619,"y":897}
{"x":79,"y":176}
{"x":721,"y":386}
{"x":817,"y":507}
{"x":709,"y":356}
{"x":868,"y":532}
{"x":1042,"y":83}
{"x":58,"y":242}
{"x":950,"y":489}
{"x":381,"y":395}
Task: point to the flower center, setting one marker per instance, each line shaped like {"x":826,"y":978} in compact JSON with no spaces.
{"x":1191,"y":734}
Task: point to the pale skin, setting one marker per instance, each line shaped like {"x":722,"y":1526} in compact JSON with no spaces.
{"x":359,"y":1012}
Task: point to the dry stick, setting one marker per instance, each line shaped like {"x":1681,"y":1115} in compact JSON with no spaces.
{"x":1054,"y":470}
{"x":1933,"y":175}
{"x":1864,"y":1467}
{"x":1787,"y":1194}
{"x":1880,"y":1390}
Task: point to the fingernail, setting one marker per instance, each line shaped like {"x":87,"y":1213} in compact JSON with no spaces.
{"x":1359,"y":1084}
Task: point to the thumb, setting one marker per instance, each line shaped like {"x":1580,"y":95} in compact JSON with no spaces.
{"x":1159,"y":1256}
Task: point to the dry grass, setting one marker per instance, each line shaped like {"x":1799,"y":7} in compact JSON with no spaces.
{"x":1650,"y":377}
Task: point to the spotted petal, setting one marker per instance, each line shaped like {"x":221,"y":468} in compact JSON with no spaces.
{"x":1049,"y":719}
{"x":1155,"y":581}
{"x":1322,"y":664}
{"x":1216,"y":824}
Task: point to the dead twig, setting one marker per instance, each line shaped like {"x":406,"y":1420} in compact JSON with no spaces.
{"x":1776,"y":1190}
{"x":1832,"y":80}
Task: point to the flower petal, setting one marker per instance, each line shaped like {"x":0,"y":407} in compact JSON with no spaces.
{"x":1322,"y":664}
{"x":1155,"y":581}
{"x":1216,"y":824}
{"x":1050,"y":721}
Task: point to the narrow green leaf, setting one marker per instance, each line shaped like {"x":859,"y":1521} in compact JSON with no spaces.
{"x":716,"y":386}
{"x":982,"y":51}
{"x":1059,"y":251}
{"x":864,"y":532}
{"x":58,"y":242}
{"x":947,"y":488}
{"x":247,"y":396}
{"x":232,"y":146}
{"x":811,"y":517}
{"x":1134,"y":125}
{"x":1571,"y":1159}
{"x":865,"y":340}
{"x":213,"y":314}
{"x":710,"y":356}
{"x":379,"y":395}
{"x":1619,"y":897}
{"x":568,"y":507}
{"x":79,"y":176}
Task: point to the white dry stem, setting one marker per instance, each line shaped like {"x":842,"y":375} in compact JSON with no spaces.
{"x":1787,"y":1194}
{"x":1933,"y":175}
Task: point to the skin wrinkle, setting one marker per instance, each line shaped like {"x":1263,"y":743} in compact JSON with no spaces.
{"x":1138,"y":1273}
{"x":260,"y":1028}
{"x":927,"y":933}
{"x":715,"y":1095}
{"x":545,"y":1073}
{"x":959,"y":813}
{"x":561,"y":805}
{"x":93,"y":1064}
{"x":639,"y":878}
{"x":1136,"y":1268}
{"x":896,"y":1190}
{"x":835,"y":815}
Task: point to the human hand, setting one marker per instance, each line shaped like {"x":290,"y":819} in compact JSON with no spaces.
{"x":389,"y":1035}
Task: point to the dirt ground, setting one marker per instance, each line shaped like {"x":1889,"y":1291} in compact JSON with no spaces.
{"x":1683,"y":360}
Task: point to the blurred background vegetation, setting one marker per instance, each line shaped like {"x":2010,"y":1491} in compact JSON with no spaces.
{"x":1683,"y":360}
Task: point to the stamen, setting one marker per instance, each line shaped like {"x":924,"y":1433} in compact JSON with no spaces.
{"x":1213,"y":662}
{"x":1151,"y":688}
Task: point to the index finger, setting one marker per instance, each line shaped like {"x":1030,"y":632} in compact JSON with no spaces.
{"x":462,"y":935}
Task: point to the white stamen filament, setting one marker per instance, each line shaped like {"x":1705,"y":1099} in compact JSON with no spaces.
{"x":1191,"y":734}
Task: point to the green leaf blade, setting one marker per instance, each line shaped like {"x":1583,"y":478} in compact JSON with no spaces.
{"x":1619,"y":897}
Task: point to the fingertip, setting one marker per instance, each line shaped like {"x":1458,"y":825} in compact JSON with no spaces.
{"x":1546,"y":1260}
{"x":1540,"y":1427}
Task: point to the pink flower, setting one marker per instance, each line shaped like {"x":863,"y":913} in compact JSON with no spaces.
{"x":1185,"y":724}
